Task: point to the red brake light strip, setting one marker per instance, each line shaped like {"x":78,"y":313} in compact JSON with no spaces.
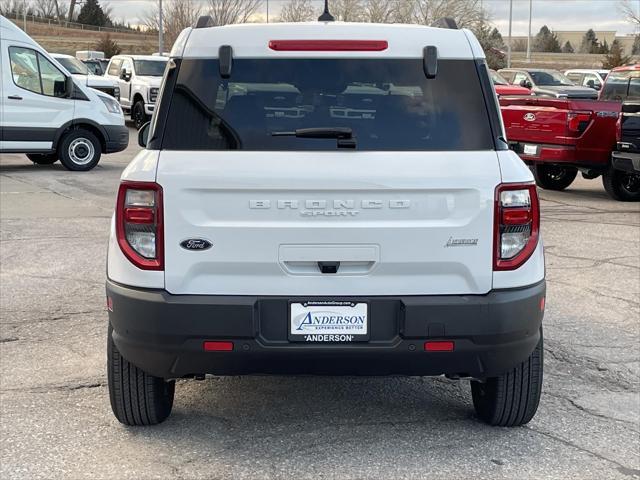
{"x":328,"y":45}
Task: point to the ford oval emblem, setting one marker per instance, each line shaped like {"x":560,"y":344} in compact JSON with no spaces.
{"x":529,"y":117}
{"x":196,"y":244}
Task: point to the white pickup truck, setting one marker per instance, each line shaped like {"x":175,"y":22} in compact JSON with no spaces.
{"x":139,"y":78}
{"x":326,"y":198}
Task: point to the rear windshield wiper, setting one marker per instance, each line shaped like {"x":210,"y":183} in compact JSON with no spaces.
{"x":344,"y":135}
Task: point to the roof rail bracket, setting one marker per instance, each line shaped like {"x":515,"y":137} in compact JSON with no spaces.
{"x":225,"y":58}
{"x":430,"y":61}
{"x":204,"y":21}
{"x":445,"y":22}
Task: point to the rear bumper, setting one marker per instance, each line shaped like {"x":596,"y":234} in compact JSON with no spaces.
{"x":626,"y":161}
{"x":163,"y":334}
{"x":117,"y":138}
{"x":562,"y":154}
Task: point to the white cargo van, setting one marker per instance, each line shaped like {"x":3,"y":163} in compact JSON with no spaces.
{"x":326,"y":198}
{"x":48,"y":116}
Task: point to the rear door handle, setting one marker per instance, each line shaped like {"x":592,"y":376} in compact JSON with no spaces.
{"x":14,"y":97}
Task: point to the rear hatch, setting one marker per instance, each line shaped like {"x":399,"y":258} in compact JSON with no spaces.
{"x":408,"y":211}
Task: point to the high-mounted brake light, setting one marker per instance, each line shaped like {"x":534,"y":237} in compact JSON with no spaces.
{"x":516,"y":225}
{"x":328,"y":45}
{"x":139,"y":224}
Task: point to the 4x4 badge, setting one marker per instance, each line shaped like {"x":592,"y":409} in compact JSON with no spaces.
{"x":196,"y":244}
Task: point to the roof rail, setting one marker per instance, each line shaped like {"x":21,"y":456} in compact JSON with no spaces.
{"x":204,"y":21}
{"x":445,"y":22}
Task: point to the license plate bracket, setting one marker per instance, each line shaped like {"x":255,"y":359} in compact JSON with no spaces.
{"x":328,"y":321}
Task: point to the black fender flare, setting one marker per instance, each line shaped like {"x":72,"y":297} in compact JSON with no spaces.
{"x":79,"y":122}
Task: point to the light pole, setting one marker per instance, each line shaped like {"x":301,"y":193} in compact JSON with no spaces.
{"x":529,"y":36}
{"x":510,"y":22}
{"x":160,"y":28}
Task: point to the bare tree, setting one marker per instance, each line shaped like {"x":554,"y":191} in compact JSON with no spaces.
{"x":348,"y":10}
{"x":380,"y":11}
{"x":72,"y":6}
{"x":466,"y":13}
{"x":225,"y":12}
{"x":631,"y":13}
{"x":15,"y":7}
{"x":177,"y":15}
{"x":298,"y":11}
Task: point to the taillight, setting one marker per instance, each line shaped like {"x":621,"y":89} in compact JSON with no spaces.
{"x":516,"y":225}
{"x":578,"y":121}
{"x":619,"y":128}
{"x":139,"y":224}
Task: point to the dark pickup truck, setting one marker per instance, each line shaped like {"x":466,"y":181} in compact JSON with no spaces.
{"x":624,"y":181}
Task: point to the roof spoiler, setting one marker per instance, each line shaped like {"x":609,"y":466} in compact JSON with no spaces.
{"x":445,"y":22}
{"x":204,"y":21}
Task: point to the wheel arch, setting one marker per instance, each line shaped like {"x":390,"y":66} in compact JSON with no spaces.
{"x":137,"y":97}
{"x":82,"y":123}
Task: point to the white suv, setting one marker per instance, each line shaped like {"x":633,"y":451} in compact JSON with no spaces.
{"x":326,"y":198}
{"x":138,"y":78}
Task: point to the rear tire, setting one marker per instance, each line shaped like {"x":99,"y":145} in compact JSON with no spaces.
{"x":554,"y":177}
{"x":79,"y":150}
{"x":43,"y":158}
{"x":138,"y":115}
{"x":621,"y":186}
{"x":137,"y":398}
{"x":511,"y":399}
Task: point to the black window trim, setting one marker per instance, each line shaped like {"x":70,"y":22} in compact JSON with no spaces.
{"x":37,"y":55}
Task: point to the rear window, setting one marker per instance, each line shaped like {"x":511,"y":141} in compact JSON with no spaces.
{"x":388,"y":104}
{"x":615,"y":88}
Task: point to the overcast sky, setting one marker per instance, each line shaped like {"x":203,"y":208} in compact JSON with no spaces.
{"x":556,"y":14}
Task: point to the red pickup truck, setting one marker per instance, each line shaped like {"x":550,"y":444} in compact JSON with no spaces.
{"x":559,"y":137}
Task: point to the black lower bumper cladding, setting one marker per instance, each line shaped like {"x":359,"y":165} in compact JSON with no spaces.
{"x":164,"y":334}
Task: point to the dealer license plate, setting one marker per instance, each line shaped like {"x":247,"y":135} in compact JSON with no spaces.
{"x":530,"y":149}
{"x":329,"y":321}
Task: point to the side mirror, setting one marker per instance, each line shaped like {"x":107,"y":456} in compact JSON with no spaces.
{"x":591,"y":84}
{"x":525,"y":83}
{"x":69,"y":86}
{"x":125,"y":75}
{"x":143,"y":134}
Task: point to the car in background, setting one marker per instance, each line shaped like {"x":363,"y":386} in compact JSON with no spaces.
{"x":503,"y":87}
{"x":139,"y":77}
{"x":547,"y":83}
{"x":623,"y":181}
{"x":559,"y":137}
{"x":587,"y":77}
{"x":97,"y":66}
{"x":47,"y":114}
{"x":81,"y":73}
{"x":621,"y":84}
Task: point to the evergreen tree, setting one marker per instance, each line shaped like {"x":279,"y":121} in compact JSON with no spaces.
{"x":615,"y":57}
{"x":546,"y":41}
{"x":107,"y":45}
{"x":567,"y":48}
{"x":492,"y":44}
{"x":92,"y":14}
{"x":589,"y":42}
{"x":604,"y":47}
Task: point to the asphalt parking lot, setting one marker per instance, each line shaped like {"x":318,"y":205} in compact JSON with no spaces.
{"x":56,"y":421}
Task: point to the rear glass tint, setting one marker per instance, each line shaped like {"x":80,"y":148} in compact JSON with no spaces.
{"x":389,"y":105}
